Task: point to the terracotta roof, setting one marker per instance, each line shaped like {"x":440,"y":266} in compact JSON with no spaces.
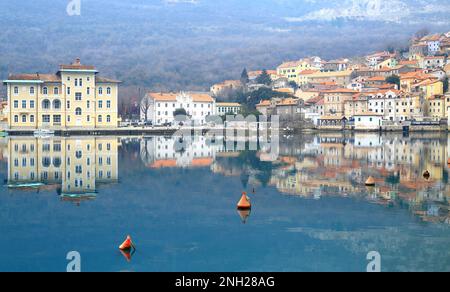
{"x":387,"y":86}
{"x":196,"y":97}
{"x":76,"y":65}
{"x":388,"y":69}
{"x":35,"y":76}
{"x":376,"y":78}
{"x":288,"y":101}
{"x":427,"y":82}
{"x":431,"y":38}
{"x":314,"y":100}
{"x":99,"y":79}
{"x":291,"y":64}
{"x":228,"y":104}
{"x":264,"y":103}
{"x":259,"y":72}
{"x":414,"y":75}
{"x":340,"y":90}
{"x":285,"y":90}
{"x":379,"y":54}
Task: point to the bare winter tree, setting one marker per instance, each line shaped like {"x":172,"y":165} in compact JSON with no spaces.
{"x":145,"y":105}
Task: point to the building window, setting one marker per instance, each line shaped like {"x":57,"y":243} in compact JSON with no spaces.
{"x":45,"y":91}
{"x":100,"y":104}
{"x":88,"y":104}
{"x":31,"y":103}
{"x":108,"y":104}
{"x":56,"y":104}
{"x":16,"y":104}
{"x":56,"y":91}
{"x":57,"y":119}
{"x":24,"y":104}
{"x":100,"y":90}
{"x":24,"y":118}
{"x":78,"y":96}
{"x":108,"y":119}
{"x":16,"y":90}
{"x":81,"y":81}
{"x":108,"y":91}
{"x":76,"y":81}
{"x":68,"y":104}
{"x":68,"y":119}
{"x":88,"y":90}
{"x":100,"y":119}
{"x":78,"y":111}
{"x":45,"y":104}
{"x":46,"y":118}
{"x":31,"y":90}
{"x":32,"y":119}
{"x":16,"y":119}
{"x":88,"y":118}
{"x":68,"y":90}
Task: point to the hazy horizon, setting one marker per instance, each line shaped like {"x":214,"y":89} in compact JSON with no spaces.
{"x":191,"y":44}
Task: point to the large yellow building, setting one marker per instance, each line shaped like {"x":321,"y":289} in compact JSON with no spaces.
{"x":292,"y":70}
{"x":430,"y":87}
{"x":74,"y":97}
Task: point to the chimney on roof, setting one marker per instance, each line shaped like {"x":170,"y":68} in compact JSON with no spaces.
{"x":37,"y":74}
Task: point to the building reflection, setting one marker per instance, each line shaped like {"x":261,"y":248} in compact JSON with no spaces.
{"x":74,"y":166}
{"x":184,"y":152}
{"x":308,"y":166}
{"x":338,"y":165}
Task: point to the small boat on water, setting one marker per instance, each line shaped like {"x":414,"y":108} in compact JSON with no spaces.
{"x":3,"y":134}
{"x":25,"y":185}
{"x":44,"y":133}
{"x":84,"y":196}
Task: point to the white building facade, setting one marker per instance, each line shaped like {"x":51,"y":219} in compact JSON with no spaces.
{"x":160,"y":108}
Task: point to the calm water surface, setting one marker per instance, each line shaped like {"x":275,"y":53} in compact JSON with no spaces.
{"x":311,"y":210}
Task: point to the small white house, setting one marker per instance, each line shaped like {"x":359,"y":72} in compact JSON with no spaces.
{"x":368,"y":121}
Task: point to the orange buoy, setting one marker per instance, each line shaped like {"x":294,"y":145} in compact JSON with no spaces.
{"x":244,"y":202}
{"x":370,"y":182}
{"x":127,"y":244}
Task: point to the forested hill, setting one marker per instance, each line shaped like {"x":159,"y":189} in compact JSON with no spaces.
{"x":190,"y":44}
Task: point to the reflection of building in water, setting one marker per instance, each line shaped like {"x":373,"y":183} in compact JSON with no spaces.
{"x":338,"y":165}
{"x":160,"y":152}
{"x":78,"y":164}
